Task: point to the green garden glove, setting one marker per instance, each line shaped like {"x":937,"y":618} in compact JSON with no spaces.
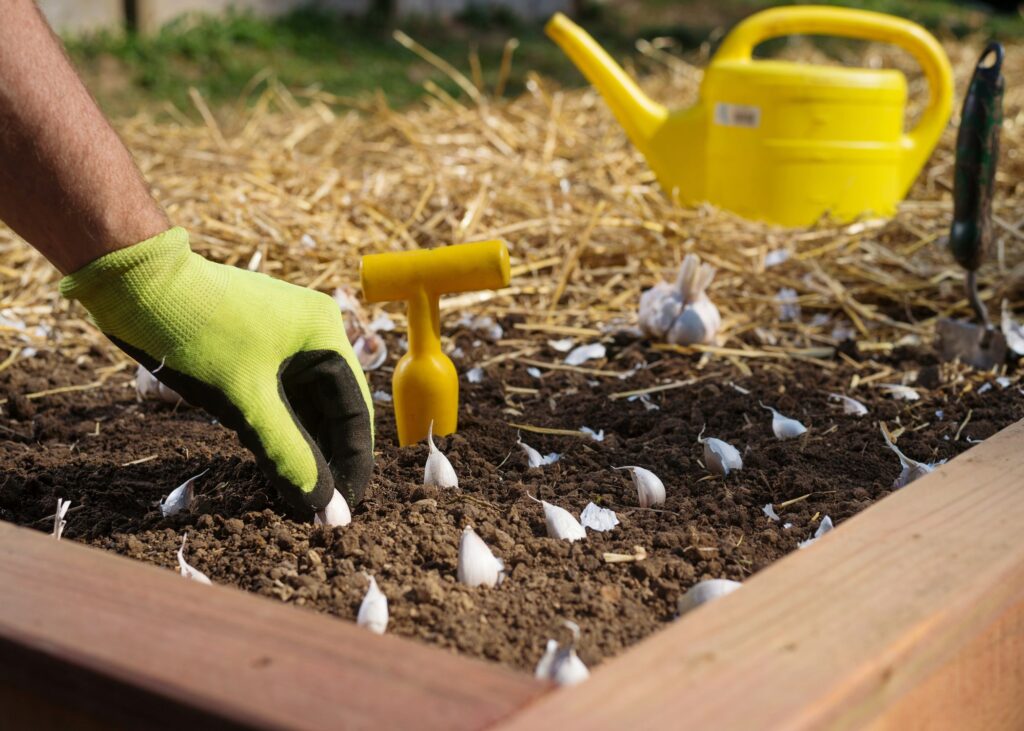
{"x":268,"y":359}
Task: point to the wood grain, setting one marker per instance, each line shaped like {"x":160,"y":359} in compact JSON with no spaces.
{"x":908,"y":616}
{"x":117,"y":643}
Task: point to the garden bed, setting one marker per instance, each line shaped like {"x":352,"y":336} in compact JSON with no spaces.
{"x":114,"y":458}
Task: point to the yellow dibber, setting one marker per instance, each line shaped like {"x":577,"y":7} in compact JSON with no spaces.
{"x":780,"y":141}
{"x":425,"y":387}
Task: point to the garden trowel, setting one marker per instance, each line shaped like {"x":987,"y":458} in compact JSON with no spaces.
{"x":977,"y":153}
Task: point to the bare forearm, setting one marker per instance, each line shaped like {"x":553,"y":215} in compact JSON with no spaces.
{"x":67,"y":184}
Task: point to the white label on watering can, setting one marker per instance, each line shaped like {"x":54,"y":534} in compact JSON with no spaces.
{"x":737,"y":115}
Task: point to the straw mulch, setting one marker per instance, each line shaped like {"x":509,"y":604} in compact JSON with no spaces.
{"x":309,"y":183}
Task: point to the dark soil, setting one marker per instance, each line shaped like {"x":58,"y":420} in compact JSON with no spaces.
{"x":115,"y":458}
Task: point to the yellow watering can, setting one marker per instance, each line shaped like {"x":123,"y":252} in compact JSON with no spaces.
{"x":780,"y":141}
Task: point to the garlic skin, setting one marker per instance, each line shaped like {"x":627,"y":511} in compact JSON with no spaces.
{"x":181,"y":497}
{"x":335,"y":513}
{"x":581,"y":354}
{"x":373,"y":611}
{"x":477,"y":565}
{"x":59,"y":524}
{"x":911,"y":468}
{"x":783,"y":427}
{"x":720,"y":457}
{"x":703,"y":592}
{"x":650,"y":490}
{"x":851,"y":406}
{"x":598,"y":519}
{"x":561,"y":524}
{"x":147,"y":386}
{"x":188,"y":571}
{"x":438,"y":471}
{"x":824,"y":527}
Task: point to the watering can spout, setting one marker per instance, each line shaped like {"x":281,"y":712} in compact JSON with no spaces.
{"x":638,"y":114}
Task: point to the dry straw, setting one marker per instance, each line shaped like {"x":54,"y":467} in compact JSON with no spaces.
{"x":311,"y":182}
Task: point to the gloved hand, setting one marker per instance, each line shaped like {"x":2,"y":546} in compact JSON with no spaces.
{"x":268,"y":359}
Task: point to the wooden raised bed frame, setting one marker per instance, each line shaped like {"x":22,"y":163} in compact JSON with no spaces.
{"x":908,"y":616}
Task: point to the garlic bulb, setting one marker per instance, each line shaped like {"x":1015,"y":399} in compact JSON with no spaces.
{"x":560,"y":522}
{"x":650,"y":490}
{"x":188,"y":571}
{"x":181,"y":497}
{"x":720,"y":457}
{"x":699,"y":321}
{"x":783,"y":427}
{"x":477,"y":565}
{"x":912,"y":469}
{"x":147,"y":386}
{"x":824,"y":527}
{"x":533,"y":457}
{"x":562,"y":666}
{"x":335,"y":513}
{"x":438,"y":471}
{"x":705,"y":591}
{"x":59,"y":524}
{"x":850,"y":405}
{"x":373,"y":612}
{"x":598,"y":519}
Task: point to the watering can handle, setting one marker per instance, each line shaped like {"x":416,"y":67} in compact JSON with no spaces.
{"x":830,"y":21}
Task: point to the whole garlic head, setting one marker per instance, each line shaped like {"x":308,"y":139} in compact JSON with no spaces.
{"x":681,"y":312}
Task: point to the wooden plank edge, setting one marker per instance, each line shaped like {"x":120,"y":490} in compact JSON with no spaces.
{"x":114,"y":642}
{"x":908,"y":616}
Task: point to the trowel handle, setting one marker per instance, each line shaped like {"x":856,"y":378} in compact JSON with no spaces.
{"x":977,"y":154}
{"x":848,"y":23}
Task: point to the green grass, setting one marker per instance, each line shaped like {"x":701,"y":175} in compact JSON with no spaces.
{"x":358,"y":57}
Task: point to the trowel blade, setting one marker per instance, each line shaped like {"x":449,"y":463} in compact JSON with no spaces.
{"x":971,"y":344}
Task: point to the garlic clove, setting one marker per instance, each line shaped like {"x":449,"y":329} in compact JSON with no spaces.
{"x":567,"y":668}
{"x":438,"y":471}
{"x":475,"y":375}
{"x":1012,"y":331}
{"x":784,"y":427}
{"x":543,"y":669}
{"x":697,"y":324}
{"x":534,"y":458}
{"x":371,"y":351}
{"x":581,"y":354}
{"x":788,"y":302}
{"x":59,"y":524}
{"x":598,"y":519}
{"x":705,"y":591}
{"x":336,"y":512}
{"x":650,"y":490}
{"x":188,"y":571}
{"x":769,"y":512}
{"x":373,"y":611}
{"x":659,"y":307}
{"x":824,"y":527}
{"x":478,"y":566}
{"x":181,"y":497}
{"x":561,"y":524}
{"x":148,"y":386}
{"x":720,"y":457}
{"x":850,"y":405}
